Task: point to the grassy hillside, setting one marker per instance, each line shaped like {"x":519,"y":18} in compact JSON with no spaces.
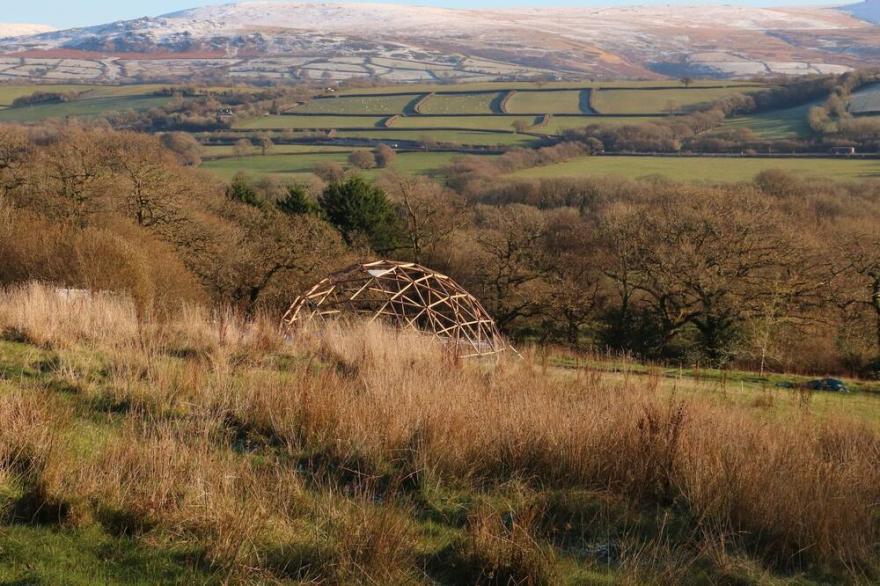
{"x":464,"y":137}
{"x":212,"y":450}
{"x":634,"y":101}
{"x":776,"y":124}
{"x":358,"y":105}
{"x":866,"y":100}
{"x":713,"y":169}
{"x":90,"y":102}
{"x":301,"y":165}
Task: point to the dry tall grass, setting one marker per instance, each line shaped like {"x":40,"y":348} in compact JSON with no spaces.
{"x":314,"y":458}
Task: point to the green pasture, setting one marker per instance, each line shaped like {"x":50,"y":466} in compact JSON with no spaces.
{"x":357,"y":105}
{"x":776,"y":124}
{"x":217,"y":151}
{"x":488,"y":122}
{"x":481,"y":103}
{"x":459,"y":137}
{"x":656,"y":101}
{"x":83,"y":107}
{"x":300,"y":166}
{"x":558,"y":124}
{"x":866,"y":100}
{"x":306,"y":122}
{"x":429,"y":124}
{"x":711,"y":169}
{"x":9,"y":93}
{"x":558,"y":102}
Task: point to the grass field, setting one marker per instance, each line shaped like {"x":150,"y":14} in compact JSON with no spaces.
{"x":712,"y":169}
{"x":776,"y":124}
{"x":866,"y":100}
{"x":655,"y":101}
{"x":300,"y":166}
{"x":464,"y":137}
{"x":94,"y":100}
{"x":461,"y":104}
{"x":559,"y":123}
{"x":278,"y":149}
{"x":9,"y":93}
{"x":305,"y":122}
{"x":562,"y":102}
{"x":488,"y":122}
{"x":85,"y":108}
{"x":188,"y":451}
{"x":428,"y":124}
{"x":358,"y":105}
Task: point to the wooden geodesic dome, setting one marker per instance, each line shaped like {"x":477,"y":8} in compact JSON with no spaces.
{"x":405,"y":295}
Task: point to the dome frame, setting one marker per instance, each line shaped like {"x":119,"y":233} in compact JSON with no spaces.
{"x":407,"y":295}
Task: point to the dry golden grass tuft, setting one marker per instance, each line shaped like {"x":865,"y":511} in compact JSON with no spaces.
{"x":312,"y":458}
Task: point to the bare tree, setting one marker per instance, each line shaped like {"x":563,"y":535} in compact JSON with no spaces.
{"x":430,"y":213}
{"x":362,"y":159}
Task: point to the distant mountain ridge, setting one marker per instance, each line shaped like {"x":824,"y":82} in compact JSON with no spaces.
{"x":9,"y":29}
{"x":274,"y":41}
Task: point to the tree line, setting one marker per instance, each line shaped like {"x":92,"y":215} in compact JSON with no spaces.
{"x":774,"y":273}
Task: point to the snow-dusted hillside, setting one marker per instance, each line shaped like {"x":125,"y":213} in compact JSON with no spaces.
{"x":18,"y":30}
{"x":284,"y":40}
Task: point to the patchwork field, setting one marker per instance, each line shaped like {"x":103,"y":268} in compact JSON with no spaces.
{"x":498,"y":86}
{"x":712,"y":169}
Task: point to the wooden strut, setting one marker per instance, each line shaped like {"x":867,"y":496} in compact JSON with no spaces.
{"x":407,"y":295}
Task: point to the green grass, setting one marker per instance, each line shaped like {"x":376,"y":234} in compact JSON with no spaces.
{"x":85,"y":108}
{"x":358,"y":105}
{"x":460,"y":104}
{"x":713,"y":169}
{"x":317,"y":122}
{"x":46,"y":555}
{"x":428,"y":124}
{"x":562,"y":102}
{"x":488,"y":122}
{"x":559,"y":123}
{"x":9,"y":93}
{"x":84,"y":553}
{"x":866,"y":100}
{"x":300,"y":166}
{"x":655,"y":101}
{"x":742,"y":388}
{"x":464,"y":137}
{"x":278,"y":149}
{"x":776,"y":124}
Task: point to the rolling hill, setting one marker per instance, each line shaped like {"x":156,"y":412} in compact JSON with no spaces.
{"x":389,"y":42}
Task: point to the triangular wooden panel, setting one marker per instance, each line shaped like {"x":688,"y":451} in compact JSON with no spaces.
{"x":405,"y":295}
